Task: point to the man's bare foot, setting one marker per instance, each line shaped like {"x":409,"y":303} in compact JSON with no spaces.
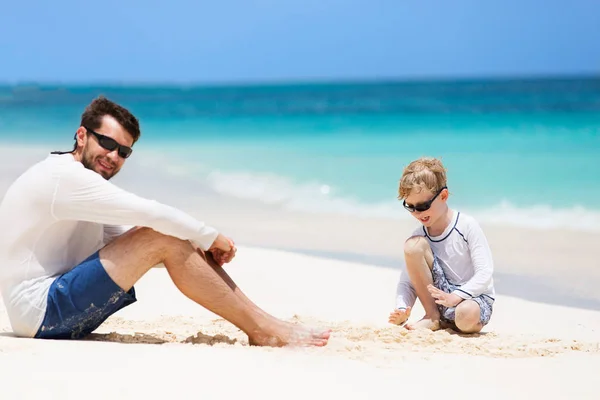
{"x":287,"y":334}
{"x":425,"y":323}
{"x":398,"y":317}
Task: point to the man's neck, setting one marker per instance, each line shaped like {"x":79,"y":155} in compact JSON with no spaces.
{"x":440,"y":225}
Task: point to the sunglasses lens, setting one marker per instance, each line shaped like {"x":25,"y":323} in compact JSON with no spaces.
{"x":423,"y":206}
{"x":125,"y":152}
{"x":418,"y":207}
{"x":108,"y":143}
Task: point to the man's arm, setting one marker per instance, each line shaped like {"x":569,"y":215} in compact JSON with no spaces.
{"x":481,"y":257}
{"x":82,"y":194}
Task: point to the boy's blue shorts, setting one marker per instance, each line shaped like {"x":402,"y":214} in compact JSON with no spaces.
{"x":448,"y":314}
{"x":80,"y":300}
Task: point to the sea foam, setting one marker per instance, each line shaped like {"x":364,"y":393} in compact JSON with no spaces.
{"x":321,"y":197}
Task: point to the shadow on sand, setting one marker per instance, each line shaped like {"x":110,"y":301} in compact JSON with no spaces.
{"x":144,"y":338}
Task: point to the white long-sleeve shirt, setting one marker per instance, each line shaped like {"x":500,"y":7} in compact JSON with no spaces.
{"x":57,"y":214}
{"x":464,"y":256}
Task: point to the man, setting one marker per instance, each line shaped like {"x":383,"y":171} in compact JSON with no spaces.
{"x":67,"y":263}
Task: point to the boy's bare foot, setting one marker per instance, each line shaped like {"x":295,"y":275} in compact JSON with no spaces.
{"x":398,"y":317}
{"x":287,"y":334}
{"x":425,"y":323}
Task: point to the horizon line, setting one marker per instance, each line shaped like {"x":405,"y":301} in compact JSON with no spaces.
{"x":304,"y":81}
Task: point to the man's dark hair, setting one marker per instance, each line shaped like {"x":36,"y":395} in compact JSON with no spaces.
{"x":97,"y":109}
{"x":101,"y":106}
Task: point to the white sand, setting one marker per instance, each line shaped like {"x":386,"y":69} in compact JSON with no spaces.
{"x":165,"y":346}
{"x":556,"y":347}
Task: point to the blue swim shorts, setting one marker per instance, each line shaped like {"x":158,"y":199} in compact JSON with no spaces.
{"x":80,"y":300}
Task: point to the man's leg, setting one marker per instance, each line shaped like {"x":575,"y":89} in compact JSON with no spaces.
{"x":130,"y":256}
{"x":225,"y":276}
{"x":80,"y":300}
{"x":419,"y":260}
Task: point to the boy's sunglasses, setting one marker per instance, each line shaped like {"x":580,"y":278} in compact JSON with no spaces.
{"x":421,"y":207}
{"x":111,"y":144}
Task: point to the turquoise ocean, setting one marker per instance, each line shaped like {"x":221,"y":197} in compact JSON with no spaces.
{"x":518,"y":152}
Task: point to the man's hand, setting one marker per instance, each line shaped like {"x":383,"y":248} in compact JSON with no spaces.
{"x":443,"y":298}
{"x":223,"y":249}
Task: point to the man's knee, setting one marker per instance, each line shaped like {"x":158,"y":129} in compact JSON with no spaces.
{"x":151,"y":240}
{"x":131,"y":255}
{"x":468,"y":317}
{"x":416,"y":246}
{"x":145,"y":231}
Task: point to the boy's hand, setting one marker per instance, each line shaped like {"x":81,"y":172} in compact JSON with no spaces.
{"x":443,"y":298}
{"x":398,"y":317}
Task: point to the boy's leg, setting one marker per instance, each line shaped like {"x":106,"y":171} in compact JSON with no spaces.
{"x":130,"y":256}
{"x":472,"y":315}
{"x":419,"y":260}
{"x":467,"y":316}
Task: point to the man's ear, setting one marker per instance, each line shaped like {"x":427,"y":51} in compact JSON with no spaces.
{"x":81,"y":136}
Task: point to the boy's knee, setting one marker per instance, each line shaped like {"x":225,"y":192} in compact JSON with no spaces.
{"x":468,"y":317}
{"x":416,"y":246}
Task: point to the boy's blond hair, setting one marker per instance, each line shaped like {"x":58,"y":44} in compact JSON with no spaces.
{"x":424,"y":173}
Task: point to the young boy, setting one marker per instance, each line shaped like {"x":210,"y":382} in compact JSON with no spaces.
{"x":449,"y":264}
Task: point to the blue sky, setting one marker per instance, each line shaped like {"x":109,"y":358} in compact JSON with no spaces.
{"x":190,"y":41}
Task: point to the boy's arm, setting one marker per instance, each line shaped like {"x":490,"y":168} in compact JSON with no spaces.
{"x":81,"y":194}
{"x":405,"y":292}
{"x":481,"y":257}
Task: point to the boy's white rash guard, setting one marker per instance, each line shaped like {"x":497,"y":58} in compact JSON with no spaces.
{"x":465,"y":257}
{"x":56,"y":215}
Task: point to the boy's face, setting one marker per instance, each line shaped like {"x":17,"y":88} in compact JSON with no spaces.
{"x":419,"y":197}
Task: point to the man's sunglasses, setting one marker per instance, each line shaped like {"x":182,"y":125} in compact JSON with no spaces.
{"x":421,"y":207}
{"x":111,"y":144}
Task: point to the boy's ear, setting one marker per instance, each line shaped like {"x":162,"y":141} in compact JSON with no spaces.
{"x":445,"y":194}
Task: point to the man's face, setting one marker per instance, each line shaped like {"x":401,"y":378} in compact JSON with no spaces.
{"x":95,"y":157}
